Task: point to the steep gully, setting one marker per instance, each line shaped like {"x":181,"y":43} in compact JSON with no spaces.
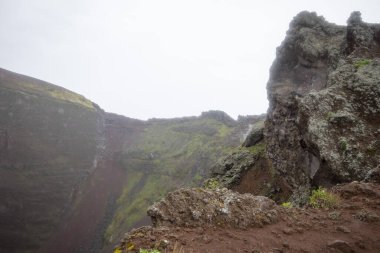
{"x":83,"y":230}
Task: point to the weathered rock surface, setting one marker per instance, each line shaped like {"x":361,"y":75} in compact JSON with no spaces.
{"x":255,"y":135}
{"x":324,"y":91}
{"x":221,"y":207}
{"x":228,"y":170}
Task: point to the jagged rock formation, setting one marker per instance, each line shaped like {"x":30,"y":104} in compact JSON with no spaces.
{"x":322,"y":126}
{"x":248,"y":170}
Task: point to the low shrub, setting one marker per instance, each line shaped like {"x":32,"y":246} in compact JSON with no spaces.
{"x":212,"y":184}
{"x":321,"y":198}
{"x":361,"y":63}
{"x":287,"y":204}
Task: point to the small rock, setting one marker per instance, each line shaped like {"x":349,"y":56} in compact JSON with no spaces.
{"x":288,"y":231}
{"x":343,"y":229}
{"x":206,"y":239}
{"x":360,"y":244}
{"x":163,"y":244}
{"x":277,"y":250}
{"x":275,"y":233}
{"x":341,"y":245}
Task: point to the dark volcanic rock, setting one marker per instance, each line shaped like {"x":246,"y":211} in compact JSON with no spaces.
{"x":255,"y":135}
{"x":324,"y":90}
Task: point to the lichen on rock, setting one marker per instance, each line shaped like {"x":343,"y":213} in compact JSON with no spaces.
{"x":324,"y":94}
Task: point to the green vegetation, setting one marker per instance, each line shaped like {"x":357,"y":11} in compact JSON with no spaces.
{"x":212,"y":184}
{"x":287,"y":205}
{"x":343,"y":145}
{"x":321,"y":198}
{"x":43,"y":89}
{"x":361,"y":63}
{"x":169,"y":154}
{"x":149,"y":251}
{"x":330,"y":116}
{"x":117,"y":250}
{"x":258,"y":149}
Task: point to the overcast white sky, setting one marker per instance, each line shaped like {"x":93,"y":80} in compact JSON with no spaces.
{"x":158,"y":58}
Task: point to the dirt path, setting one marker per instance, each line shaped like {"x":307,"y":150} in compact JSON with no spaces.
{"x":352,"y":227}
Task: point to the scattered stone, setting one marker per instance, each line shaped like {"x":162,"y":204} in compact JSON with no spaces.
{"x":335,"y":215}
{"x":206,"y":239}
{"x":360,"y":244}
{"x":288,"y":231}
{"x":343,"y":229}
{"x":366,"y":216}
{"x":341,"y":245}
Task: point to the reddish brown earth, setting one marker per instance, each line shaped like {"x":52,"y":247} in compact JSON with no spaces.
{"x":353,"y":226}
{"x":83,"y":230}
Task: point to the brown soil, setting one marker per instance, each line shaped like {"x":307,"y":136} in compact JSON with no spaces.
{"x":354,"y":226}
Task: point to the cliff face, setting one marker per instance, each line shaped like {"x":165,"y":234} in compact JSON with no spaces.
{"x":50,"y":141}
{"x":73,"y":177}
{"x":324,"y":89}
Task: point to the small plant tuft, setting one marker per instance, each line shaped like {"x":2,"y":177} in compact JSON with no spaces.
{"x":212,"y":184}
{"x":149,"y":251}
{"x":287,"y":204}
{"x":321,"y":198}
{"x":342,"y":145}
{"x":117,"y":250}
{"x":361,"y":63}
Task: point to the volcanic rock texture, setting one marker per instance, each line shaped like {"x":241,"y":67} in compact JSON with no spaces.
{"x":324,"y":91}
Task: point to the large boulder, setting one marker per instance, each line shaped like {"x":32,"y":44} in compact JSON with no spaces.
{"x":201,"y":207}
{"x":324,"y":91}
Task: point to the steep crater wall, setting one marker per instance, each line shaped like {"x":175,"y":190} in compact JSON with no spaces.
{"x":50,"y":141}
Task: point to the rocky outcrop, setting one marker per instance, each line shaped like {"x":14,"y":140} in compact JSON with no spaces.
{"x":324,"y":89}
{"x":255,"y":135}
{"x":201,"y":207}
